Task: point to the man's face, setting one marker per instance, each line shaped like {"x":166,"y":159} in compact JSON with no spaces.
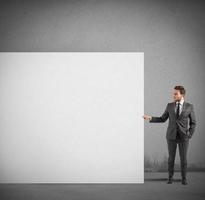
{"x":177,"y":95}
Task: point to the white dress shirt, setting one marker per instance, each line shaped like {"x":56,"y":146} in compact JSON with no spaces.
{"x":180,"y":105}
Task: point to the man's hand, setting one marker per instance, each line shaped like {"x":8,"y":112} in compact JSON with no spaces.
{"x":147,"y":117}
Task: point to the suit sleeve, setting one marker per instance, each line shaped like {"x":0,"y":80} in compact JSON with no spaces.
{"x":192,"y":122}
{"x":162,"y":118}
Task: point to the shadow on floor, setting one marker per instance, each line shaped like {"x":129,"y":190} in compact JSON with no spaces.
{"x":160,"y":179}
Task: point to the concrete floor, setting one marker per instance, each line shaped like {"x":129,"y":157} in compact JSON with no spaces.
{"x":155,"y":187}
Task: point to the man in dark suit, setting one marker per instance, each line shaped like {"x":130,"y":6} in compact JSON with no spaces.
{"x":178,"y":132}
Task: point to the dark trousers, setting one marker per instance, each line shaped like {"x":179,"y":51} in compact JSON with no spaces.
{"x":183,"y":147}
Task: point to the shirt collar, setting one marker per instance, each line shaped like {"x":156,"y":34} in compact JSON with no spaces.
{"x":181,"y":101}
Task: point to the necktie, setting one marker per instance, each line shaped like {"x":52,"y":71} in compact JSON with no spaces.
{"x":178,"y":135}
{"x":178,"y":109}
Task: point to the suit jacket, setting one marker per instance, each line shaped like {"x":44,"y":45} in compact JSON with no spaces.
{"x":181,"y":123}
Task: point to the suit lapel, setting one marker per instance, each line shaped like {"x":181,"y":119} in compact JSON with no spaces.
{"x":173,"y":109}
{"x":183,"y":109}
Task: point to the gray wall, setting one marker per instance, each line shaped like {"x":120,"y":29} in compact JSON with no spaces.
{"x":170,"y":33}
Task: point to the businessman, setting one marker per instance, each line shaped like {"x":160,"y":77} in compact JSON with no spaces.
{"x":180,"y":114}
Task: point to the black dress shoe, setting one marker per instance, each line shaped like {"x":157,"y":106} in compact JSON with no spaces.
{"x":184,"y":181}
{"x":170,"y":180}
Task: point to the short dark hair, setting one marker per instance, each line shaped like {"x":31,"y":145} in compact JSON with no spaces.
{"x":181,"y":89}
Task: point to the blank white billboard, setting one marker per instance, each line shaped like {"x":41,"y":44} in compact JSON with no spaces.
{"x":71,"y":117}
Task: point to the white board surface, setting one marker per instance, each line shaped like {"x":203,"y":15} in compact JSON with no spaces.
{"x":71,"y":117}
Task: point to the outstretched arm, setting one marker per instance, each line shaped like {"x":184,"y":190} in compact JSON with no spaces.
{"x":162,"y":118}
{"x":192,"y":122}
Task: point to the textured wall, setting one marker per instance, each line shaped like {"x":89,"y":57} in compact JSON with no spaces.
{"x":170,"y":33}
